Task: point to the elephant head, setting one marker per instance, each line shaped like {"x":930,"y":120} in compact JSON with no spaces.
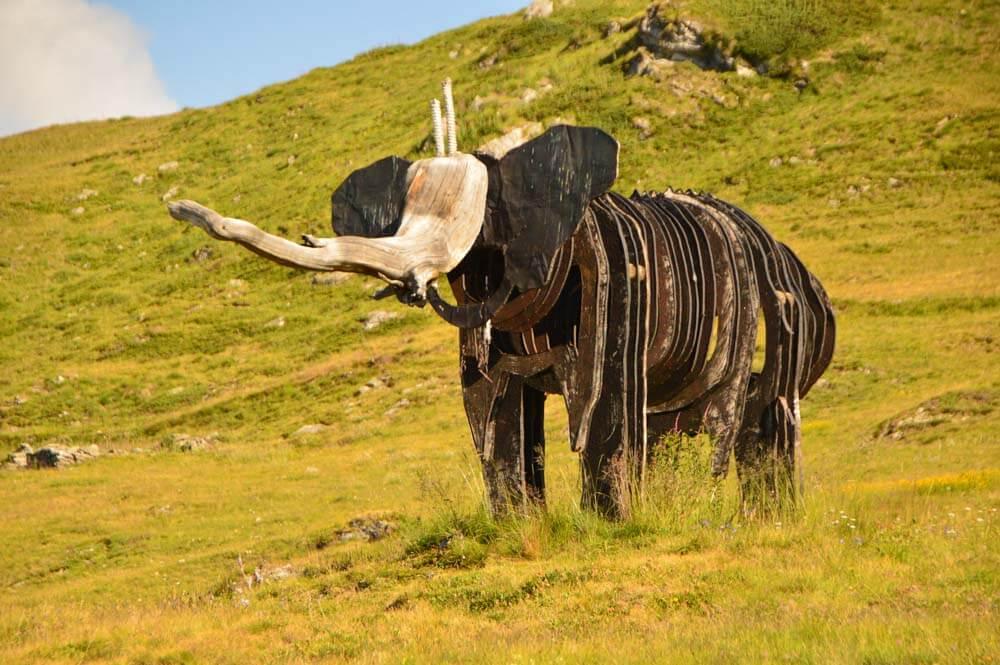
{"x":408,"y":223}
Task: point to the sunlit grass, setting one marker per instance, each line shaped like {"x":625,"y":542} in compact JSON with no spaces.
{"x":119,"y":329}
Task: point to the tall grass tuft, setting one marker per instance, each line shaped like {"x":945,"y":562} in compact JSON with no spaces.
{"x":679,"y":498}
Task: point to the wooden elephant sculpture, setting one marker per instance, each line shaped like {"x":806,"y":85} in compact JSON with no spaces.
{"x":643,"y":312}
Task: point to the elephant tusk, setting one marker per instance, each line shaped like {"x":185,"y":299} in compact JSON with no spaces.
{"x":444,"y":211}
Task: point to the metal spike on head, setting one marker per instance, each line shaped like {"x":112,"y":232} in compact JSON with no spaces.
{"x":449,"y":115}
{"x":438,"y":129}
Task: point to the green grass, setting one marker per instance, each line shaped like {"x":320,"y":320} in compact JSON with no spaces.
{"x":114,"y":333}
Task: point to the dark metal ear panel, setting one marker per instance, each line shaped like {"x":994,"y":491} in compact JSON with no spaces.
{"x":545,"y":185}
{"x":370,"y":201}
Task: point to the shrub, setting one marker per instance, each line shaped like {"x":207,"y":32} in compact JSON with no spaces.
{"x":768,"y":29}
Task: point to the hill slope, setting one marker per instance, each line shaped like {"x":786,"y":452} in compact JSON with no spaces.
{"x":119,"y":329}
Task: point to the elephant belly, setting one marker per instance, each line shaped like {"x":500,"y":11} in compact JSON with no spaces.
{"x":701,"y":307}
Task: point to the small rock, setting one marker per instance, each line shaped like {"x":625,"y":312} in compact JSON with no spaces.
{"x":794,"y":161}
{"x":366,"y":528}
{"x":644,"y":64}
{"x":942,"y":123}
{"x":306,"y":430}
{"x":202,"y":254}
{"x":452,"y":54}
{"x":529,"y":95}
{"x":745,"y":72}
{"x":236,"y":283}
{"x":377,"y":318}
{"x":290,"y":160}
{"x":514,"y":137}
{"x":612,"y":28}
{"x":170,"y":193}
{"x":643,"y":125}
{"x":77,"y":211}
{"x":373,"y":384}
{"x":19,"y":458}
{"x":186,"y":443}
{"x":279,"y":573}
{"x":538,"y":9}
{"x":801,"y":84}
{"x":489,"y":61}
{"x":330,"y":278}
{"x":894,"y":183}
{"x":139,"y":179}
{"x":776,"y":162}
{"x":400,"y":603}
{"x":86,"y":194}
{"x":236,"y":199}
{"x":397,"y":407}
{"x":276,"y":323}
{"x":167,"y":166}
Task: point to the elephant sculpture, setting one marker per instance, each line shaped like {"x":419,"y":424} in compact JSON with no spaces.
{"x":643,"y":312}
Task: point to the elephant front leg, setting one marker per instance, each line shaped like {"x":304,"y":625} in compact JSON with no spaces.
{"x":613,"y":459}
{"x":606,"y":388}
{"x":507,"y":421}
{"x":513,"y":453}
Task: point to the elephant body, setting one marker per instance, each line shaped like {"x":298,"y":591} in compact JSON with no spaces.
{"x":647,"y":325}
{"x":643,"y":312}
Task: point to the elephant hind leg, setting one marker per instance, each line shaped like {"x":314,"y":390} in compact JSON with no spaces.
{"x":767,"y":459}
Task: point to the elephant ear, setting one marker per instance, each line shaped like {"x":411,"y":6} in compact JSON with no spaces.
{"x":370,"y":201}
{"x":545,"y":186}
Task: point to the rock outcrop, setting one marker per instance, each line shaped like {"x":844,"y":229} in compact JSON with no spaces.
{"x":665,"y":39}
{"x":50,"y":456}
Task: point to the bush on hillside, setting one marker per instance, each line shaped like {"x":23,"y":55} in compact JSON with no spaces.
{"x":766,"y":29}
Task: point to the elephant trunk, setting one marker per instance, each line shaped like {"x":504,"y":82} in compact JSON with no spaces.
{"x":471,"y":315}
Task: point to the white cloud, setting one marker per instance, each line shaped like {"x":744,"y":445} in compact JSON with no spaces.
{"x":68,"y":60}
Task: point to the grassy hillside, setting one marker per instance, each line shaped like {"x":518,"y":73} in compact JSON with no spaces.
{"x":118,"y":328}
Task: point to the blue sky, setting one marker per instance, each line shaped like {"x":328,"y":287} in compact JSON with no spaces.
{"x":208,"y":52}
{"x":69,"y":60}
